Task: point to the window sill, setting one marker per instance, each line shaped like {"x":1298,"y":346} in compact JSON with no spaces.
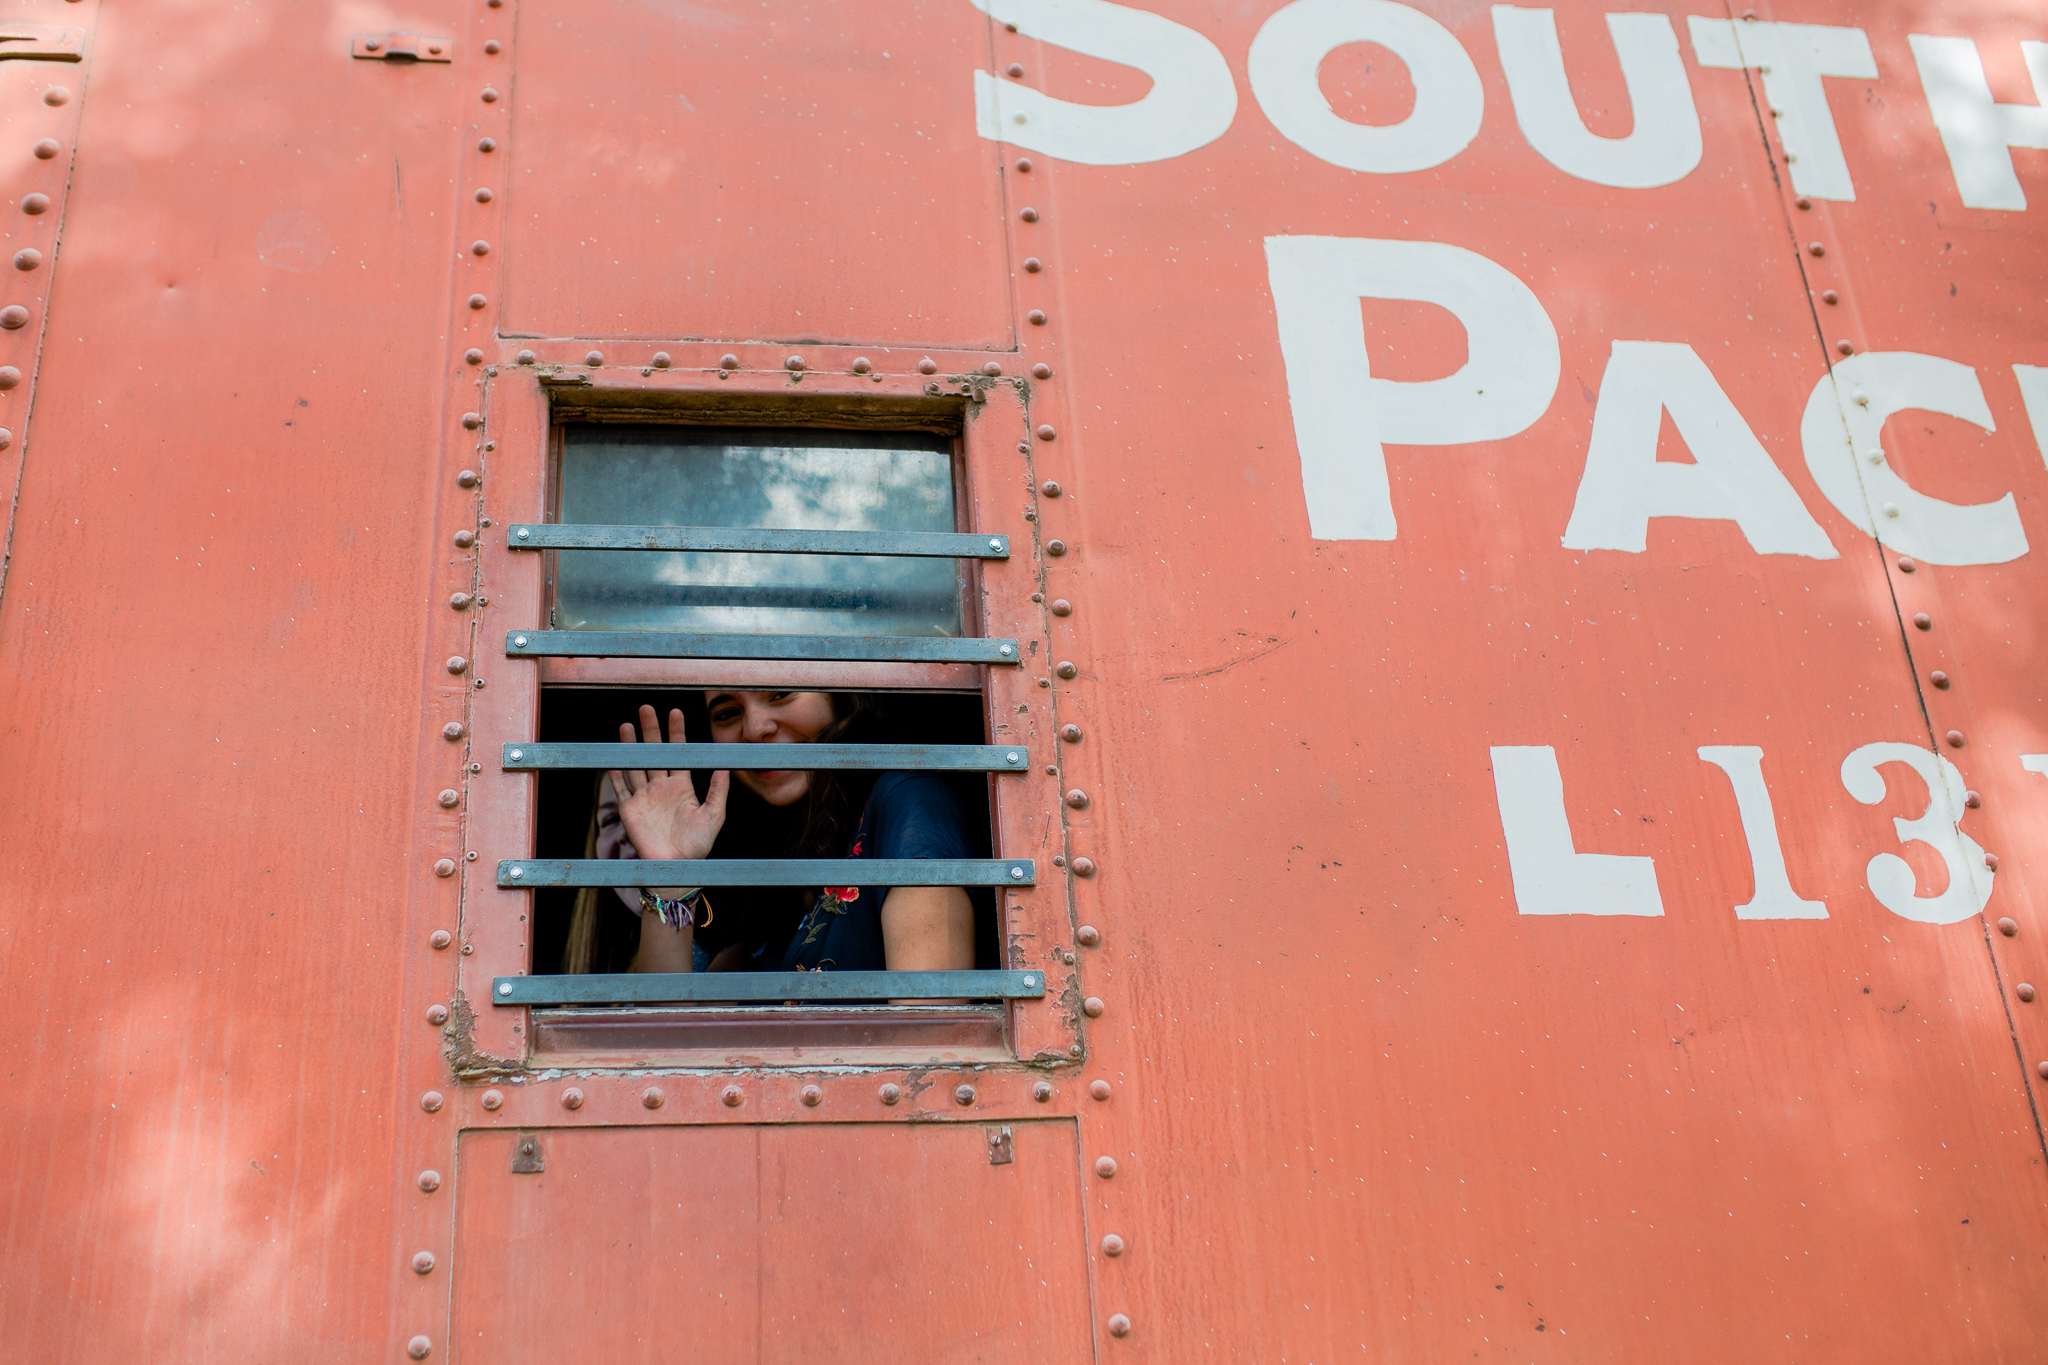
{"x":792,"y":1036}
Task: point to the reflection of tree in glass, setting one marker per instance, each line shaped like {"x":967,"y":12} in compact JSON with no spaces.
{"x":841,"y":481}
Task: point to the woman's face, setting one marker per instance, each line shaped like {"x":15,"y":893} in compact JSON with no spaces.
{"x":770,"y":718}
{"x":611,"y":838}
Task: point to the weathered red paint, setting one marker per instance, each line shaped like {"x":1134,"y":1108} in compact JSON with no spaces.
{"x":1335,"y":1096}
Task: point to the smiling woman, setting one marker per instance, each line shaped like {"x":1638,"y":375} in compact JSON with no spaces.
{"x":778,"y":812}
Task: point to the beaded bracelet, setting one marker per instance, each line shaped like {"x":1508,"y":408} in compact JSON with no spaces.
{"x":674,"y":912}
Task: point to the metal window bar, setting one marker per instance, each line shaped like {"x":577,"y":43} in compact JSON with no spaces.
{"x":650,"y":644}
{"x":758,"y":540}
{"x":662,"y":988}
{"x":952,"y":758}
{"x":516,"y":873}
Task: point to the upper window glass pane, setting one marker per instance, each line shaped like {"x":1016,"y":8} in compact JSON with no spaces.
{"x":784,"y":480}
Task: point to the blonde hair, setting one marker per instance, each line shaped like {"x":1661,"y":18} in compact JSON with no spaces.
{"x":582,"y":944}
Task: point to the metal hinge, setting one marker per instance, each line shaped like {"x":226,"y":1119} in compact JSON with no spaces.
{"x":401,"y":47}
{"x":527,"y":1158}
{"x":1000,"y":1153}
{"x":41,"y":43}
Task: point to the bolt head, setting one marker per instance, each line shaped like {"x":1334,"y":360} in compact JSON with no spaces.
{"x":652,"y":1097}
{"x":1098,"y":1090}
{"x":437,"y":1015}
{"x":1016,"y":874}
{"x":733,"y":1097}
{"x":812,"y":1096}
{"x":2025,"y":992}
{"x":572,"y":1098}
{"x":963,"y":1094}
{"x":1042,"y":1091}
{"x":1105,"y":1166}
{"x":504,"y":988}
{"x":890,"y":1094}
{"x":494,"y":1100}
{"x":1112,"y":1245}
{"x":440,"y":938}
{"x":1055,"y":548}
{"x":419,"y":1348}
{"x":516,"y":873}
{"x":1092,"y":1007}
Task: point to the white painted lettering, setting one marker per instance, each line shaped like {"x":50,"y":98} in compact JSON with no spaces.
{"x":1793,"y":59}
{"x":1975,"y":130}
{"x":1664,"y":145}
{"x":1342,"y":414}
{"x":2034,"y":393}
{"x":1774,"y":897}
{"x":1550,"y":876}
{"x":1449,"y":101}
{"x":1733,"y":479}
{"x":1890,"y":876}
{"x":1191,"y":103}
{"x":1845,"y":415}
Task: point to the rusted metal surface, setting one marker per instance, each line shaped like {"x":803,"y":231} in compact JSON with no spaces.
{"x":1515,"y":905}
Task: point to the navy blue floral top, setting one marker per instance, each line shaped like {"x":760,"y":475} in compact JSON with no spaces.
{"x":908,"y":815}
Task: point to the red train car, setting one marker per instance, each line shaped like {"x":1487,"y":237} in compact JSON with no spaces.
{"x":1464,"y":571}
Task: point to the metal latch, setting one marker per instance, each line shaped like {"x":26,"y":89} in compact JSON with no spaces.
{"x":1000,"y":1153}
{"x":41,"y":43}
{"x":401,"y":47}
{"x":526,"y":1154}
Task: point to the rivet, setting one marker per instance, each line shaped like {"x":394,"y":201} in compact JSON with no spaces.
{"x":1013,"y":757}
{"x":890,"y":1093}
{"x":478,"y":301}
{"x":1074,"y":1050}
{"x":733,"y":1097}
{"x":1084,"y":867}
{"x":1816,"y":249}
{"x":422,"y":1262}
{"x":484,"y":195}
{"x":55,"y":95}
{"x":450,"y":798}
{"x":13,"y":316}
{"x":1991,"y":862}
{"x":430,"y":1181}
{"x":1066,"y":668}
{"x":6,"y":438}
{"x":480,"y":247}
{"x":932,"y":388}
{"x":1024,"y":165}
{"x":468,"y":948}
{"x":440,"y":938}
{"x":1067,"y":956}
{"x":1071,"y":733}
{"x":1046,"y":433}
{"x":457,"y":664}
{"x":1112,"y":1245}
{"x":652,"y":1097}
{"x":1105,"y":1166}
{"x":1062,"y":607}
{"x":1032,"y":265}
{"x":811,"y":1096}
{"x":1077,"y":798}
{"x":1042,"y":1091}
{"x":2041,"y":1069}
{"x":2009,"y":927}
{"x":861,"y":364}
{"x":28,"y":259}
{"x":661,"y":360}
{"x":1036,"y":317}
{"x":1830,"y":296}
{"x":2025,"y":992}
{"x":1119,"y":1325}
{"x":470,"y":856}
{"x":1906,"y":564}
{"x":1016,"y":874}
{"x":491,"y":46}
{"x":473,"y":356}
{"x":795,"y":362}
{"x":594,"y":359}
{"x":437,"y":1015}
{"x":419,"y":1348}
{"x":1938,"y":678}
{"x":992,"y":370}
{"x":1050,"y":488}
{"x":1029,"y":215}
{"x":1972,"y":800}
{"x":1052,"y":770}
{"x":1891,"y":509}
{"x":444,"y":867}
{"x":963,"y":1094}
{"x":1037,"y":596}
{"x":516,"y":873}
{"x":1088,"y":936}
{"x":572,"y":1098}
{"x":1802,"y":201}
{"x":1955,"y":739}
{"x":46,"y":149}
{"x":1045,"y":682}
{"x":1058,"y":859}
{"x":1846,"y":348}
{"x":1014,"y":70}
{"x":519,"y":642}
{"x":452,"y":730}
{"x":490,"y":96}
{"x":1923,"y":621}
{"x":516,"y":754}
{"x":493,"y":1100}
{"x":1092,"y":1007}
{"x":9,"y":376}
{"x":488,"y":144}
{"x":35,"y":203}
{"x":526,"y":357}
{"x":431,"y":1101}
{"x":927,"y":366}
